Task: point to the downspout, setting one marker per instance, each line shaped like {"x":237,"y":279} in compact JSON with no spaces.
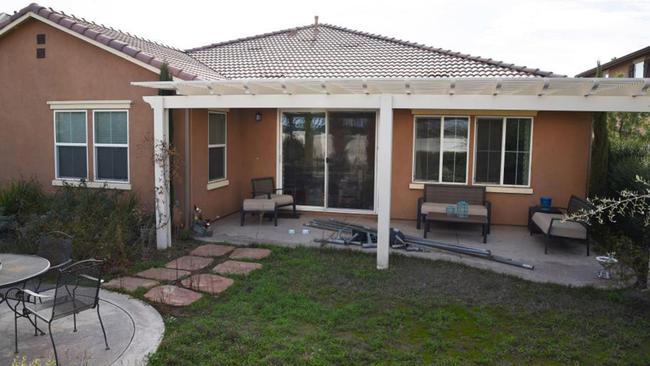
{"x":187,"y":181}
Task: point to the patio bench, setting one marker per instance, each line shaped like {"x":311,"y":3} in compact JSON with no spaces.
{"x":552,"y":222}
{"x":259,"y":205}
{"x":432,"y":206}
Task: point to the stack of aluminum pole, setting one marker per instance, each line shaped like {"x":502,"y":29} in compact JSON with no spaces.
{"x":354,"y":234}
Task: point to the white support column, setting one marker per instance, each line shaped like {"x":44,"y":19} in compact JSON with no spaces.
{"x":384,"y":174}
{"x":161,"y":172}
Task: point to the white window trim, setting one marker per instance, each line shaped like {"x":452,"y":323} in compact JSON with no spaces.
{"x":96,"y":145}
{"x":503,"y":152}
{"x":442,"y":139}
{"x":218,"y":184}
{"x":488,"y":189}
{"x":57,"y":144}
{"x":89,"y":104}
{"x":225,"y":152}
{"x":639,"y":65}
{"x":76,"y":183}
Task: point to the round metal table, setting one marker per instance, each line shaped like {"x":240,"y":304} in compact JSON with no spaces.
{"x":18,"y":268}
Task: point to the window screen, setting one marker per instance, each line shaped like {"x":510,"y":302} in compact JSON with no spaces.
{"x":111,"y":145}
{"x":70,"y":141}
{"x":216,"y":146}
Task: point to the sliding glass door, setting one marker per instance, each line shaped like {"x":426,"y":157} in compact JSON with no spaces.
{"x":329,"y":158}
{"x":303,"y":156}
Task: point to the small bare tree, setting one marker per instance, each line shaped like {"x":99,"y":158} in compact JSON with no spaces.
{"x":634,"y":204}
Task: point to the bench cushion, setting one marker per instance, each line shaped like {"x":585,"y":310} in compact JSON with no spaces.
{"x":279,"y":199}
{"x":567,"y":229}
{"x":263,"y":205}
{"x":432,"y":207}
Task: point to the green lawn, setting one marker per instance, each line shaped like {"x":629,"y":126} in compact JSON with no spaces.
{"x":332,"y":307}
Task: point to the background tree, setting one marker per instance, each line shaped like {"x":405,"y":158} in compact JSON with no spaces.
{"x":599,"y":151}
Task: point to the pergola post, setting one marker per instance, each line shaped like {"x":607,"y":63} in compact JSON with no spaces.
{"x":384,"y":173}
{"x":161,"y":172}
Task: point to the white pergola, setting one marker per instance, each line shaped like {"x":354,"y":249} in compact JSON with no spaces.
{"x":384,"y":95}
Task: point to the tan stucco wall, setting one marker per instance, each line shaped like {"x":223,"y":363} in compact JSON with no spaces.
{"x":251,"y":152}
{"x":72,"y":70}
{"x":559,"y":167}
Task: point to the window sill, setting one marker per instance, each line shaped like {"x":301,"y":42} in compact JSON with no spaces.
{"x":218,"y":184}
{"x":77,"y":183}
{"x":420,"y":186}
{"x":489,"y":189}
{"x":509,"y":190}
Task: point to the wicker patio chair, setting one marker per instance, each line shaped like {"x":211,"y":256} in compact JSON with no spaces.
{"x":77,"y":289}
{"x":265,"y":188}
{"x":555,"y":225}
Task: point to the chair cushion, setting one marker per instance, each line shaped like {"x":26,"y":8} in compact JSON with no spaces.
{"x":567,"y":229}
{"x":280,"y":199}
{"x":259,"y":204}
{"x":432,"y":207}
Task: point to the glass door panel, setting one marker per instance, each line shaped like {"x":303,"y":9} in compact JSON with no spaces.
{"x":303,"y":156}
{"x":351,"y":160}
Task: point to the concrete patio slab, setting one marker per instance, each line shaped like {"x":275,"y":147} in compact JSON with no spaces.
{"x":212,"y":250}
{"x":172,"y":295}
{"x":208,"y":283}
{"x":189,"y":263}
{"x":163,"y":274}
{"x":250,"y":253}
{"x":236,"y":267}
{"x":130,"y":283}
{"x":134,"y":330}
{"x":565,"y":264}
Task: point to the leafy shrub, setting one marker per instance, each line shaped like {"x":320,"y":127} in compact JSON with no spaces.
{"x":105,"y":224}
{"x":23,"y":362}
{"x":22,"y":199}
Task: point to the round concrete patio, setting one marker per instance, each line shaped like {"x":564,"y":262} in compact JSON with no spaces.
{"x":134,"y":330}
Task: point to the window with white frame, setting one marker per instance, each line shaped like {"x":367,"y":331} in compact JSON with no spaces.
{"x":111,"y":143}
{"x":503,"y":151}
{"x":70,"y":139}
{"x":216,"y":146}
{"x":440,"y":149}
{"x":638,"y":69}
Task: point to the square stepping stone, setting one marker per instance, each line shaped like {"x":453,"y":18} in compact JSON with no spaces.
{"x":163,"y":274}
{"x":189,"y":263}
{"x":130,"y":283}
{"x":172,"y":295}
{"x":250,"y":253}
{"x":209,"y":283}
{"x":236,"y":267}
{"x":212,"y":250}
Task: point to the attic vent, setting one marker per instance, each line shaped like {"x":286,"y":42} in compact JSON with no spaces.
{"x":255,"y":48}
{"x":40,"y":38}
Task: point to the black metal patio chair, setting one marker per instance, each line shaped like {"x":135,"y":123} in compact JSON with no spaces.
{"x":56,"y":247}
{"x":76,"y":290}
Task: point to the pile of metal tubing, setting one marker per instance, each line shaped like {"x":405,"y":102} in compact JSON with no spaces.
{"x":345,"y":233}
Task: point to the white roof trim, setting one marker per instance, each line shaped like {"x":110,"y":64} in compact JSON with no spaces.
{"x":535,"y":94}
{"x":586,"y":87}
{"x":89,"y":104}
{"x":123,"y":55}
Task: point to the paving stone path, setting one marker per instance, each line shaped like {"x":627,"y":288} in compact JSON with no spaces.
{"x":178,"y":270}
{"x":212,"y":250}
{"x":236,"y":267}
{"x":130,"y":283}
{"x":250,"y":253}
{"x":172,"y":295}
{"x":208,"y":283}
{"x":163,"y":274}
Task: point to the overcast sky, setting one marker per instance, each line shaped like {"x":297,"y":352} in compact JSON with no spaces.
{"x":563,"y":36}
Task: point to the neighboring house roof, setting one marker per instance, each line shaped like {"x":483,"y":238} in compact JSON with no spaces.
{"x":617,"y":61}
{"x":180,"y":64}
{"x":328,"y":51}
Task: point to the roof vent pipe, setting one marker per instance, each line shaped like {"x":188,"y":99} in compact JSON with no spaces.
{"x":315,"y":28}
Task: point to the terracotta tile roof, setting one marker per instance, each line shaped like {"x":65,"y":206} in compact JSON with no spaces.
{"x":181,"y":65}
{"x":328,"y":51}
